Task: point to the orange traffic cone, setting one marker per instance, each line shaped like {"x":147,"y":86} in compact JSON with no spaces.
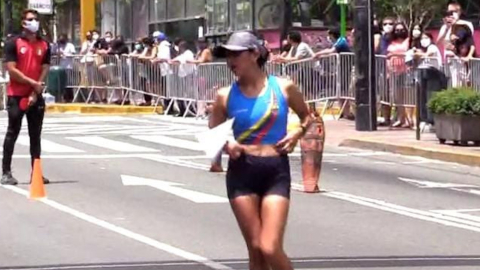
{"x":37,"y":188}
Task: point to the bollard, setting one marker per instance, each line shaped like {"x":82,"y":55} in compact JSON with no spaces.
{"x":312,"y":154}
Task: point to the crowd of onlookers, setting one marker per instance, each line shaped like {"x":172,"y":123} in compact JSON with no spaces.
{"x":401,"y":45}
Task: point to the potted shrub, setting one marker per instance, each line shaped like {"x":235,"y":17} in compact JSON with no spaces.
{"x":457,"y":115}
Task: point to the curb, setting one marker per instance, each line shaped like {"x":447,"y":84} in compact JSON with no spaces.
{"x":101,"y":109}
{"x":425,"y":152}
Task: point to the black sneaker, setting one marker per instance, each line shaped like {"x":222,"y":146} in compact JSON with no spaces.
{"x":45,"y":180}
{"x":8,"y":179}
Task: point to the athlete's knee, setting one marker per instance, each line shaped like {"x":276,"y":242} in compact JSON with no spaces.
{"x":270,"y":248}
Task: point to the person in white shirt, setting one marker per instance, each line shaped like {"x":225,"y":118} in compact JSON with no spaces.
{"x":453,"y":17}
{"x":65,"y":50}
{"x":430,"y":50}
{"x":185,"y":56}
{"x":299,"y":50}
{"x":162,"y":59}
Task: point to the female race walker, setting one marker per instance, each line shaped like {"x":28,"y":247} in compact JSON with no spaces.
{"x":258,"y":177}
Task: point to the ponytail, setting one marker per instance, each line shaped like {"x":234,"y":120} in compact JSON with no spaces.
{"x":264,"y":54}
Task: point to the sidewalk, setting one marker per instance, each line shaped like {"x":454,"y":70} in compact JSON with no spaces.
{"x":110,"y":109}
{"x":400,"y":141}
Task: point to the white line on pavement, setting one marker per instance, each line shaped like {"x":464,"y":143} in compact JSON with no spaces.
{"x":49,"y":146}
{"x":171,"y":141}
{"x":410,"y":212}
{"x":112,"y":144}
{"x":458,"y":215}
{"x":125,"y":232}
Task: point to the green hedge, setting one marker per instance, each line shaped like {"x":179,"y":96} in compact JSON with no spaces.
{"x":455,"y":101}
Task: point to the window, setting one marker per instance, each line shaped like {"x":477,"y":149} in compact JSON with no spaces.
{"x":242,"y":10}
{"x":269,"y":14}
{"x":209,"y":9}
{"x":195,"y":8}
{"x":217,"y":16}
{"x":108,"y":16}
{"x":139,"y":18}
{"x":176,"y":9}
{"x":158,"y":10}
{"x":124,"y":18}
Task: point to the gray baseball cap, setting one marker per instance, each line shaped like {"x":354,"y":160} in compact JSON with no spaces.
{"x":238,"y":42}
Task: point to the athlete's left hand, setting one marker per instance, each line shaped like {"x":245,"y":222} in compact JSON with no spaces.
{"x":32,"y":99}
{"x":288,"y":143}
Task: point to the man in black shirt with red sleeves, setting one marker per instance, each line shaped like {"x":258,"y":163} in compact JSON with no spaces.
{"x":28,"y":59}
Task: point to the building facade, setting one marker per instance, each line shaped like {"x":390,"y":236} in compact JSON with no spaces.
{"x":190,"y":19}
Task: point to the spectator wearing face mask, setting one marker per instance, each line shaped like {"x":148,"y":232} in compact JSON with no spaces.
{"x":386,"y":39}
{"x":398,"y":73}
{"x":65,"y":50}
{"x":416,"y":37}
{"x":104,"y":45}
{"x":88,"y":60}
{"x":339,"y":44}
{"x":452,"y":17}
{"x":430,"y":50}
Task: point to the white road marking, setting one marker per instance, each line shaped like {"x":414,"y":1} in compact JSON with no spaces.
{"x":173,"y":188}
{"x":112,"y":144}
{"x":126,"y":233}
{"x":49,"y":146}
{"x":405,"y":211}
{"x":430,"y":184}
{"x":170,"y":141}
{"x":177,"y":162}
{"x":384,"y":163}
{"x":453,"y":213}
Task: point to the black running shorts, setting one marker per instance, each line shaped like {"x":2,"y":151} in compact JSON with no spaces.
{"x":259,"y":175}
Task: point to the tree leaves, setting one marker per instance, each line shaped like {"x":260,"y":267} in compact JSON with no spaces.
{"x":411,"y":11}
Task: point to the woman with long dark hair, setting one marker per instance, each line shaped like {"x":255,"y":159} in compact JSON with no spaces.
{"x":398,"y":73}
{"x":258,"y":177}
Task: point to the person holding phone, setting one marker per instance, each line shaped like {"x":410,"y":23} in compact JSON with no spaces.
{"x":27,"y":59}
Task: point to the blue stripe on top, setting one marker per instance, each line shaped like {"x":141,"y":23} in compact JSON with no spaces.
{"x":248,"y":111}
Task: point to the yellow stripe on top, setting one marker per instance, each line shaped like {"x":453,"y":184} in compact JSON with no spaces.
{"x":260,"y":122}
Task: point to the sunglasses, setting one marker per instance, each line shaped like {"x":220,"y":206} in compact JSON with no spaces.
{"x":31,"y":19}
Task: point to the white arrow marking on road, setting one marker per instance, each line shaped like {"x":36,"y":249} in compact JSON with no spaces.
{"x":173,"y":188}
{"x":430,"y":184}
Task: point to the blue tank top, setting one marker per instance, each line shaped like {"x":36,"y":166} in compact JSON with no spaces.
{"x":259,"y":120}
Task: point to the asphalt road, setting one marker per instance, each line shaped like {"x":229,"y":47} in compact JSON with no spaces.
{"x":135,"y":193}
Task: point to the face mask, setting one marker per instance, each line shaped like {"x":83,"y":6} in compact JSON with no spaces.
{"x":32,"y":26}
{"x":401,"y":34}
{"x":388,"y":28}
{"x":108,"y":39}
{"x":425,"y":42}
{"x":455,"y":15}
{"x":416,"y":33}
{"x":95,"y":36}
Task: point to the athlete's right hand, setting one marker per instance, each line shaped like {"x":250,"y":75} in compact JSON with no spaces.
{"x":37,"y":87}
{"x":233,"y":149}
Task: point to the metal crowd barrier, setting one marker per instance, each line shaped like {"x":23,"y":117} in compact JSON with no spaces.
{"x":475,"y":74}
{"x":330,"y":79}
